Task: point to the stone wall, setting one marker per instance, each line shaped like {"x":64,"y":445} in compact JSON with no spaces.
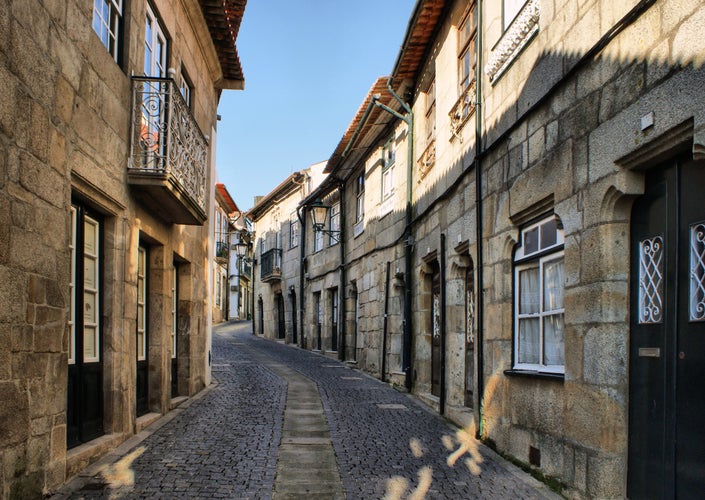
{"x":64,"y":133}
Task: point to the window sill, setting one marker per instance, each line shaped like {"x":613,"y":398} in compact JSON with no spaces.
{"x":558,"y":377}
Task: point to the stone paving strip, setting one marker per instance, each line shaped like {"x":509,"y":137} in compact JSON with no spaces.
{"x":306,"y":467}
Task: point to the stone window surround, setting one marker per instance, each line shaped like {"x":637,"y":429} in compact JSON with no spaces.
{"x":542,"y":254}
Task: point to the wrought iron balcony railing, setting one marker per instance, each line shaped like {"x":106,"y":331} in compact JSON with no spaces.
{"x":168,"y":152}
{"x":221,"y":250}
{"x":245,"y":269}
{"x":271,"y":265}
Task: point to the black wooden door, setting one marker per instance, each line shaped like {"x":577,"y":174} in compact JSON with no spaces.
{"x":667,"y":337}
{"x":436,"y":331}
{"x":469,"y":336}
{"x":142,"y":376}
{"x":294,"y":326}
{"x":281,"y":319}
{"x":84,"y":414}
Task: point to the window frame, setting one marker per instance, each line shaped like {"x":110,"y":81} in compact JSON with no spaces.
{"x":186,"y":88}
{"x":293,"y":231}
{"x":110,"y":28}
{"x":466,"y":42}
{"x":334,"y":223}
{"x":516,"y":9}
{"x":430,"y":115}
{"x":537,"y":259}
{"x":360,"y":198}
{"x":389,"y":155}
{"x":157,"y":66}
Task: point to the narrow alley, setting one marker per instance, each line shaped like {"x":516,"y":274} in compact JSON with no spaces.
{"x":281,"y":422}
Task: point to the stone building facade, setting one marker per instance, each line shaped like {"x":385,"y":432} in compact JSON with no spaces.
{"x":225,"y":215}
{"x":106,"y":183}
{"x":520,"y":242}
{"x":277,"y":255}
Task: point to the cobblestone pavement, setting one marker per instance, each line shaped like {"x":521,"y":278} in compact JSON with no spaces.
{"x":225,"y":443}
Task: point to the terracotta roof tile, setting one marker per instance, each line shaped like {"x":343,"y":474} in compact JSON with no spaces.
{"x":223,"y":18}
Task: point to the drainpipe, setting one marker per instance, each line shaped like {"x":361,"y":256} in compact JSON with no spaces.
{"x":442,"y":402}
{"x":409,"y":120}
{"x":341,"y":305}
{"x":302,"y":257}
{"x":478,"y":226}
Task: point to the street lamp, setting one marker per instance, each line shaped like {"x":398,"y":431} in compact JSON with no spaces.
{"x":319,"y":215}
{"x":241,"y":249}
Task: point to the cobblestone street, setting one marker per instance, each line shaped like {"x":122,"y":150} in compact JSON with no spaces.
{"x":247,"y":437}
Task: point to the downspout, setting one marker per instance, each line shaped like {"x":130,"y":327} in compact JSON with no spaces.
{"x":479,"y":218}
{"x":442,"y":402}
{"x":384,"y":329}
{"x":341,"y":241}
{"x":302,"y":258}
{"x":406,"y":337}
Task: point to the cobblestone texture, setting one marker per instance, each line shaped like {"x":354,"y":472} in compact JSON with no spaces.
{"x":224,"y":445}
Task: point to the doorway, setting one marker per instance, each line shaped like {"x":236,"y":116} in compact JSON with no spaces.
{"x":294,"y":325}
{"x":281,"y":319}
{"x":435,"y":329}
{"x":142,"y":379}
{"x":84,"y":413}
{"x":667,"y":344}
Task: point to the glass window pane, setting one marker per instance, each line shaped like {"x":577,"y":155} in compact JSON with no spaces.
{"x":553,"y":285}
{"x":90,"y":307}
{"x":511,"y":10}
{"x":531,"y":241}
{"x":529,"y":294}
{"x":548,"y":234}
{"x":89,"y":343}
{"x":697,"y":272}
{"x":554,"y":347}
{"x":140,"y":346}
{"x":529,"y":341}
{"x":89,"y":272}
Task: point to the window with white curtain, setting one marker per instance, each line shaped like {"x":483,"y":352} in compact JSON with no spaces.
{"x":510,"y":10}
{"x":539,"y":289}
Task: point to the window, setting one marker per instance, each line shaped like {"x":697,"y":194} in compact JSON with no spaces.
{"x":510,"y":10}
{"x":360,"y":198}
{"x":430,"y":118}
{"x":467,"y":60}
{"x":388,"y":158}
{"x":293,"y":231}
{"x":107,"y":15}
{"x":538,"y":298}
{"x":217,"y":287}
{"x":141,"y":304}
{"x":84,"y":319}
{"x":334,"y":223}
{"x":155,"y":47}
{"x":185,"y":87}
{"x":174,"y":309}
{"x":317,"y":241}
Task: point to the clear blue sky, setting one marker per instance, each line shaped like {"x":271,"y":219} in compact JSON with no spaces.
{"x":308,"y":65}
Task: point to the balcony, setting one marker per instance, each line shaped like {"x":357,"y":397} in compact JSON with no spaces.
{"x":167,"y":167}
{"x":245,"y":269}
{"x":221,"y":252}
{"x":462,"y":110}
{"x":271,"y":265}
